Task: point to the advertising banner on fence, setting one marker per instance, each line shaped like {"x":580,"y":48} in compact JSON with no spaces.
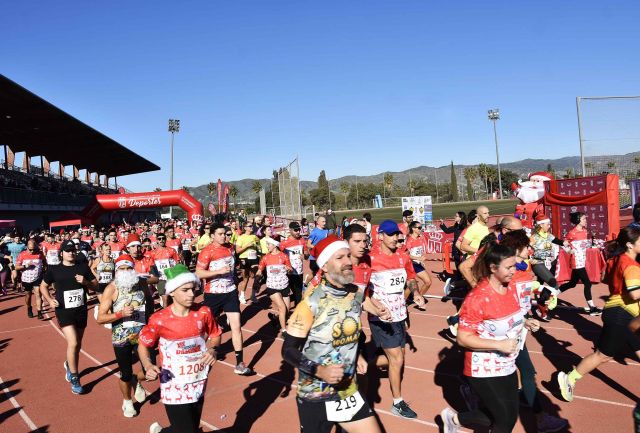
{"x":421,"y":206}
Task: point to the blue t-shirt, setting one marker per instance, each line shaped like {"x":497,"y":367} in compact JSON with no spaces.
{"x":316,"y":236}
{"x":15,"y":250}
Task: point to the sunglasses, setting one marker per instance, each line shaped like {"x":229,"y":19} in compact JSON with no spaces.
{"x":162,"y":238}
{"x":227,"y":234}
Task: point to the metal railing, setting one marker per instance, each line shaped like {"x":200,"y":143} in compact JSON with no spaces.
{"x":25,"y":196}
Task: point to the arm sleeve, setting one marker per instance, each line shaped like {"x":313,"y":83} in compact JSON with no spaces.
{"x":203,"y":261}
{"x":150,"y":333}
{"x":263,"y":263}
{"x":632,"y":278}
{"x":292,"y":354}
{"x":447,"y":230}
{"x":557,"y":241}
{"x":88,"y":275}
{"x":48,"y":276}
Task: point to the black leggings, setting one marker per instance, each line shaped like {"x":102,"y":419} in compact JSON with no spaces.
{"x":185,"y":418}
{"x":579,"y":274}
{"x":126,"y":356}
{"x":295,"y":283}
{"x":498,"y":401}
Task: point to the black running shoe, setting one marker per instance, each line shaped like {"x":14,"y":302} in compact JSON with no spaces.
{"x":30,"y":312}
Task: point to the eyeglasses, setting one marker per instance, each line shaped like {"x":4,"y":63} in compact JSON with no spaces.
{"x":418,"y":227}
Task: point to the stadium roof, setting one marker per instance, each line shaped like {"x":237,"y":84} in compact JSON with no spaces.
{"x":30,"y":124}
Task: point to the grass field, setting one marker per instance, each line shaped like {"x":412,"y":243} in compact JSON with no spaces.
{"x":442,"y":210}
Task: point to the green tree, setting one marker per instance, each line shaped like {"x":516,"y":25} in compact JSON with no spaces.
{"x":483,"y":173}
{"x":470,"y":174}
{"x":387,"y":183}
{"x":157,"y":189}
{"x":212,"y":188}
{"x":454,"y":184}
{"x":233,"y":192}
{"x":344,"y":189}
{"x":256,"y":187}
{"x":611,"y":165}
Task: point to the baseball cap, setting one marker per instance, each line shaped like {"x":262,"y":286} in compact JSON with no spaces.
{"x":294,"y":225}
{"x":68,"y":246}
{"x":388,"y":227}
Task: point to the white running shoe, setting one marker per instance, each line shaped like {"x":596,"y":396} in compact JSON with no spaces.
{"x":155,"y":428}
{"x":566,"y":389}
{"x":447,"y":287}
{"x":128,"y":410}
{"x":140,"y":393}
{"x":449,"y":426}
{"x":95,"y":313}
{"x":243,"y":301}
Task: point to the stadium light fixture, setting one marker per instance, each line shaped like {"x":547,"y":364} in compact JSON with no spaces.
{"x":494,"y":116}
{"x":174,"y":126}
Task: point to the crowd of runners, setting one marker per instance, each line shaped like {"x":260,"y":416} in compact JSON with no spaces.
{"x":170,"y":292}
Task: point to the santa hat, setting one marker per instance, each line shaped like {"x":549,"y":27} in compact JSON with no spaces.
{"x":541,"y":175}
{"x":133,"y":239}
{"x":177,"y":276}
{"x":124,"y":260}
{"x":542,"y":219}
{"x":326,"y":248}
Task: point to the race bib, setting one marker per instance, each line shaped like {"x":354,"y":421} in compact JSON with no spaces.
{"x":252,"y":254}
{"x":344,"y":410}
{"x":105,"y":277}
{"x":115,"y":254}
{"x":162,"y":265}
{"x":417,"y":251}
{"x":189,"y":369}
{"x":138,"y":318}
{"x":74,"y":298}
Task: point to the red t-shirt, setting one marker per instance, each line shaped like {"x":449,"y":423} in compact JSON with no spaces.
{"x":389,"y":275}
{"x":37,"y":259}
{"x":51,"y":252}
{"x":164,"y":258}
{"x":174,"y":243}
{"x":214,"y":257}
{"x":295,"y":249}
{"x":143,"y":266}
{"x":491,"y":316}
{"x":414,"y":246}
{"x":276,"y":266}
{"x":181,"y":342}
{"x":116,"y":249}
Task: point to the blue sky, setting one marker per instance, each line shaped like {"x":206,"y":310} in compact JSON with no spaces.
{"x":355,"y":87}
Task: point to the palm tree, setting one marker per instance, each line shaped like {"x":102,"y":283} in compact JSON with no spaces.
{"x":588,"y":166}
{"x":611,"y":165}
{"x":233,"y":192}
{"x":157,"y":190}
{"x":212,"y":187}
{"x":470,"y":173}
{"x":344,"y":189}
{"x":387,"y":182}
{"x":256,"y":186}
{"x":483,"y":171}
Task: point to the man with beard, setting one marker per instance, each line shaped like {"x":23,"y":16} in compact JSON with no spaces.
{"x":295,"y":247}
{"x":322,"y":343}
{"x":126,"y":304}
{"x":186,"y":335}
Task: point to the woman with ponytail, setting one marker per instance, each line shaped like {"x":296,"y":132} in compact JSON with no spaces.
{"x":490,"y":328}
{"x":623,"y":278}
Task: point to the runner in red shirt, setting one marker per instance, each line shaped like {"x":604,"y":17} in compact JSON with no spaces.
{"x":390,"y":272}
{"x":277,"y":264}
{"x":172,"y":241}
{"x":216,"y":265}
{"x":414,"y":246}
{"x":144,"y":266}
{"x":186,"y":335}
{"x":164,"y":257}
{"x":31,"y":263}
{"x":51,"y":250}
{"x":116,"y":247}
{"x":295,"y":246}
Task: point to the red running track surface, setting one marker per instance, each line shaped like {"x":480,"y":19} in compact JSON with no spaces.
{"x":36,"y":397}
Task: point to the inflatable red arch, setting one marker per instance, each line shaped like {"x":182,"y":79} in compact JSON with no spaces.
{"x":144,"y":200}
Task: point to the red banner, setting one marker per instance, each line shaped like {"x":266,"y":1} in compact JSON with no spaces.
{"x":212,"y":209}
{"x":219,"y":194}
{"x":225,"y":199}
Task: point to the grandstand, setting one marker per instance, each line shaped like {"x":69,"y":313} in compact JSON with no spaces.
{"x":51,"y":142}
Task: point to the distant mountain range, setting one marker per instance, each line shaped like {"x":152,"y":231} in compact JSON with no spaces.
{"x":442,"y":174}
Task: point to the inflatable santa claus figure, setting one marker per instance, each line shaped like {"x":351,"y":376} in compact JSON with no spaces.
{"x":530,"y":194}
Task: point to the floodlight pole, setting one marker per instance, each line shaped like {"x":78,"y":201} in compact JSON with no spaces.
{"x":174,"y":126}
{"x":494,"y":115}
{"x":584,"y":173}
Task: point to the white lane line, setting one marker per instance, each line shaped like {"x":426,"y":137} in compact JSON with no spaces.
{"x":15,"y":404}
{"x":596,"y":400}
{"x":23,"y":329}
